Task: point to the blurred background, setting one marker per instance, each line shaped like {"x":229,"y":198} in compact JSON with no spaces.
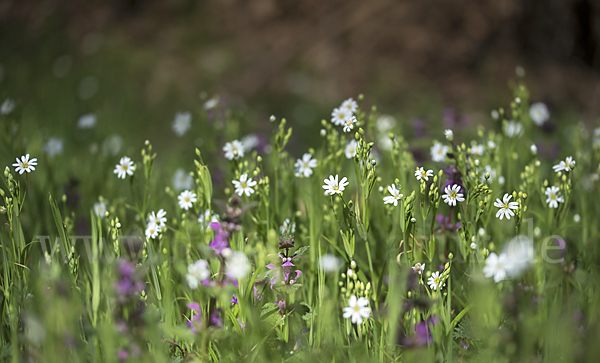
{"x":135,"y":63}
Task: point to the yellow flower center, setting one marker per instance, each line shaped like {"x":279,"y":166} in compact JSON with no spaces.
{"x":453,"y":195}
{"x":336,"y":188}
{"x":436,"y":281}
{"x":357,"y":308}
{"x":244,"y":185}
{"x":25,"y":164}
{"x":553,"y":196}
{"x":124,"y":166}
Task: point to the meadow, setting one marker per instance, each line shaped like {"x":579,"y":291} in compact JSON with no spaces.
{"x":384,"y":241}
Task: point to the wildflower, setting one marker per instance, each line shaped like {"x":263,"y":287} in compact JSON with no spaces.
{"x":349,"y":124}
{"x":211,"y":103}
{"x":449,"y":134}
{"x":339,"y":116}
{"x":124,"y":167}
{"x":477,"y":149}
{"x":195,"y":322}
{"x":220,"y":242}
{"x":152,"y":230}
{"x":435,"y":281}
{"x":423,"y":334}
{"x":330,"y":263}
{"x":385,"y":123}
{"x":197,"y":272}
{"x":186,"y":199}
{"x":473,"y":245}
{"x":25,"y":165}
{"x":539,"y":113}
{"x":565,"y":165}
{"x":233,"y":150}
{"x":333,"y":187}
{"x":182,"y":180}
{"x":351,"y":148}
{"x":7,"y":106}
{"x":513,"y":129}
{"x":182,"y":123}
{"x":491,"y":144}
{"x":238,"y":266}
{"x":519,"y":253}
{"x":505,"y":206}
{"x":495,"y":114}
{"x":452,"y":195}
{"x":349,"y":105}
{"x":288,"y":227}
{"x":576,"y":218}
{"x":53,"y":147}
{"x":357,"y":309}
{"x":496,"y":266}
{"x":420,"y":173}
{"x":244,"y":185}
{"x":208,"y":218}
{"x":87,"y":121}
{"x":418,"y":268}
{"x":99,"y":209}
{"x":304,"y":167}
{"x":249,"y":142}
{"x":553,"y":198}
{"x":129,"y":283}
{"x":159,"y":218}
{"x":533,"y":149}
{"x":438,"y":152}
{"x":395,"y":195}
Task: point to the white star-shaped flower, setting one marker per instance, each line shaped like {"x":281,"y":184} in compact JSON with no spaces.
{"x":349,"y":124}
{"x":182,"y":123}
{"x":513,"y":129}
{"x":553,"y":198}
{"x":452,"y":195}
{"x":124,"y":167}
{"x":234,"y":150}
{"x":244,"y":185}
{"x":339,"y":116}
{"x":420,"y":173}
{"x":395,"y":195}
{"x":7,"y":106}
{"x":152,"y":230}
{"x":349,"y":105}
{"x":186,"y":199}
{"x":497,"y":266}
{"x":304,"y":167}
{"x":158,"y":218}
{"x":350,"y":150}
{"x":539,"y":113}
{"x":505,"y":206}
{"x":332,"y":186}
{"x":207,"y":218}
{"x":357,"y":309}
{"x":565,"y":165}
{"x":25,"y":165}
{"x":435,"y":281}
{"x":438,"y":152}
{"x":197,"y":272}
{"x":419,"y":268}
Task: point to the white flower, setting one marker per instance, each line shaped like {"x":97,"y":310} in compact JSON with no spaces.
{"x":539,"y":113}
{"x":473,"y":245}
{"x":477,"y":149}
{"x":182,"y":180}
{"x":357,"y":309}
{"x":249,"y":142}
{"x":182,"y":123}
{"x":339,"y":116}
{"x":576,"y":218}
{"x":490,"y":172}
{"x":152,"y":231}
{"x":305,"y":165}
{"x":333,"y":187}
{"x":491,"y":144}
{"x":53,"y":147}
{"x":513,"y":129}
{"x":385,"y":143}
{"x":350,"y":149}
{"x":449,"y":134}
{"x":158,"y":218}
{"x":395,"y":195}
{"x":238,"y":266}
{"x":7,"y":106}
{"x":553,"y":198}
{"x":349,"y":105}
{"x":287,"y":226}
{"x":519,"y":254}
{"x":435,"y":281}
{"x":211,"y":103}
{"x":99,"y":209}
{"x":25,"y":165}
{"x":186,"y":199}
{"x":420,"y":173}
{"x":233,"y":150}
{"x":495,"y":114}
{"x":197,"y":272}
{"x":565,"y":165}
{"x":349,"y":124}
{"x":497,"y":266}
{"x":112,"y":145}
{"x":533,"y":149}
{"x":385,"y":123}
{"x":419,"y":268}
{"x":244,"y":185}
{"x":124,"y":167}
{"x":501,"y":179}
{"x":505,"y":206}
{"x":438,"y":152}
{"x":330,"y":263}
{"x":452,"y":195}
{"x":207,"y":218}
{"x":87,"y":121}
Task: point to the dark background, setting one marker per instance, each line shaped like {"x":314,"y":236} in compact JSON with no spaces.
{"x":297,"y":59}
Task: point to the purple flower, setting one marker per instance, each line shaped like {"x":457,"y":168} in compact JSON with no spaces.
{"x":215,"y":319}
{"x":234,"y":299}
{"x":422,"y":333}
{"x":122,"y":354}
